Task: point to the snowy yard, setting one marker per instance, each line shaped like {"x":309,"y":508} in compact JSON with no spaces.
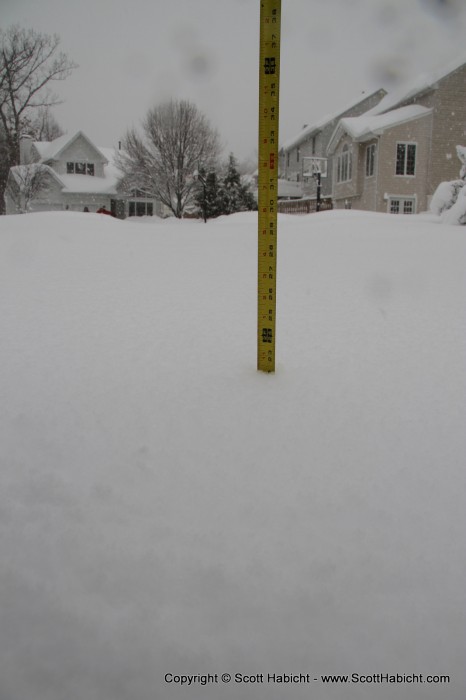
{"x":166,"y":509}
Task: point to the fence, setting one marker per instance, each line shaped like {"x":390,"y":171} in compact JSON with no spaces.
{"x":303,"y":206}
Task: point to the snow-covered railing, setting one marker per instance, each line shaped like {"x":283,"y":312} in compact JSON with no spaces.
{"x":303,"y":206}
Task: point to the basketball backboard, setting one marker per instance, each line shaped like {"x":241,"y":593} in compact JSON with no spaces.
{"x":312,"y":165}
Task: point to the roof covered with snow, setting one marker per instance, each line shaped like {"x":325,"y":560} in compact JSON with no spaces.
{"x":50,"y":150}
{"x":422,"y":84}
{"x":23,"y":174}
{"x":314,"y":128}
{"x":390,"y":101}
{"x":89,"y":184}
{"x":368,"y":125}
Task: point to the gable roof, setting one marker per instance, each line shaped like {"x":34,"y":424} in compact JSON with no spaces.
{"x":51,"y":150}
{"x":415,"y":88}
{"x":20,"y":173}
{"x":367,"y":126}
{"x":318,"y":126}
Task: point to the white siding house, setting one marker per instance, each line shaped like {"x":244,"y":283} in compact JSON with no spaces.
{"x":76,"y":176}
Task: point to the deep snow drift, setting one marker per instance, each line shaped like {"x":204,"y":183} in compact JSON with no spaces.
{"x":165,"y":509}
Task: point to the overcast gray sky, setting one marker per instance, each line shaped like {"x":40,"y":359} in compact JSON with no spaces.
{"x":133,"y":54}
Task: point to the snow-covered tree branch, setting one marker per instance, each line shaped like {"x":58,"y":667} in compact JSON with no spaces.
{"x":449,"y":199}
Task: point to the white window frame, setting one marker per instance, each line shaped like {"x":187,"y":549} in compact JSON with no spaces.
{"x":138,"y":204}
{"x":370,"y":160}
{"x":407,"y":144}
{"x":403,"y":199}
{"x":71,"y":168}
{"x":344,"y":165}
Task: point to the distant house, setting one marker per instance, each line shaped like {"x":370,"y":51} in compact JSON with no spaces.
{"x":392,"y":158}
{"x":313,"y":141}
{"x":77,"y":176}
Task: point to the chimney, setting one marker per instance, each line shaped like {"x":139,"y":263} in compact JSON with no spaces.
{"x":25,"y":145}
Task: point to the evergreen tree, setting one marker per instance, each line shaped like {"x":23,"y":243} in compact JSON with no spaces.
{"x":217,"y":196}
{"x":235,"y":196}
{"x":231,"y":185}
{"x":207,"y":197}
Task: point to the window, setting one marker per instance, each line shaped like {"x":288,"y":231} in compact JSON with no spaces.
{"x":297,"y":154}
{"x":402,"y":205}
{"x":288,"y":159}
{"x":408,"y":206}
{"x":313,"y":145}
{"x":80,"y":168}
{"x":405,"y":158}
{"x":370,"y":160}
{"x":344,"y":165}
{"x":140,"y":209}
{"x":394,"y":206}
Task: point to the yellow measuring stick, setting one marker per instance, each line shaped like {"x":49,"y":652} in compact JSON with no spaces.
{"x":269,"y":81}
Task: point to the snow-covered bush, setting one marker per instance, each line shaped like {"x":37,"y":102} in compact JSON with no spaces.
{"x":449,"y":199}
{"x":456,"y":214}
{"x":445,"y":196}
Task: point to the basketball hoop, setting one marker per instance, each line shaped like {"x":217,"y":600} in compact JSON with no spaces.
{"x":313,"y":166}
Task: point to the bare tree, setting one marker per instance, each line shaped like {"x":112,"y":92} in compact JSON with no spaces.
{"x":29,"y":63}
{"x":177,"y":141}
{"x":4,"y":166}
{"x":42,"y":126}
{"x":26,"y":183}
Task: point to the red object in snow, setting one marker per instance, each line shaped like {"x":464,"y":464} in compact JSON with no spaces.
{"x":102,"y":210}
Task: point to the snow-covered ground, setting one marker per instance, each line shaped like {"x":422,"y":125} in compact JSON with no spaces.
{"x":166,"y":509}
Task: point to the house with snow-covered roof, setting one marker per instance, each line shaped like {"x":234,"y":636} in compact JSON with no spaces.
{"x":75,"y":175}
{"x":313,"y":140}
{"x":393,"y":157}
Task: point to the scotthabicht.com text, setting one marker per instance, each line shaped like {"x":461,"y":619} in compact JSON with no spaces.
{"x":304,"y":678}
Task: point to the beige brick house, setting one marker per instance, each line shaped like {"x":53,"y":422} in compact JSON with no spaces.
{"x":392,"y":158}
{"x":313,"y":141}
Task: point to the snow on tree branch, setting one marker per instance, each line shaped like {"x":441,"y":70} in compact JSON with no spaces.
{"x":449,"y":199}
